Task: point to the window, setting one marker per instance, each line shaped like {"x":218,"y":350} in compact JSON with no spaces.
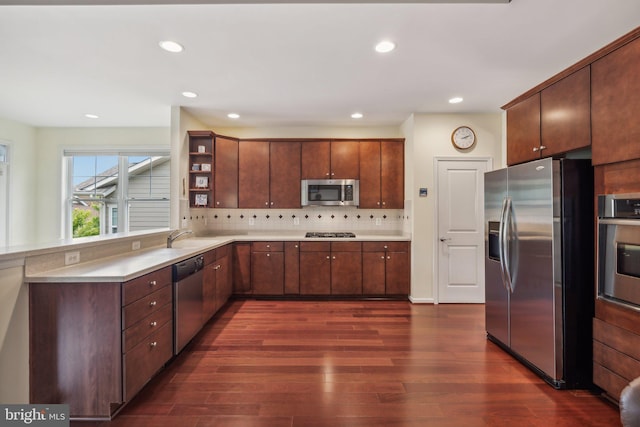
{"x":101,"y":186}
{"x":4,"y":194}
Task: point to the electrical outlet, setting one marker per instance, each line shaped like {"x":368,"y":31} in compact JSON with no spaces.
{"x":296,"y":221}
{"x":71,"y":257}
{"x":378,"y":221}
{"x":135,"y":245}
{"x":252,"y":221}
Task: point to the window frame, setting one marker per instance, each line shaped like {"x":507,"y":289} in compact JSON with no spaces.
{"x":122,"y":200}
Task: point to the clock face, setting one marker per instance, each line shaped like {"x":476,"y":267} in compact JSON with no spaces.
{"x":463,"y":137}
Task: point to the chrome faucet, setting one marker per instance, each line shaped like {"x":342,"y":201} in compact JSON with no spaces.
{"x":175,"y":234}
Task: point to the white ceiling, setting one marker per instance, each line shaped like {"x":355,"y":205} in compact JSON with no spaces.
{"x":289,"y":64}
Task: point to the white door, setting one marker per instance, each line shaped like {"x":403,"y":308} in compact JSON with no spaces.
{"x":460,"y":227}
{"x":4,"y":195}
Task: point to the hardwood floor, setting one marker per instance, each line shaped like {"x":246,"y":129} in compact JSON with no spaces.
{"x":357,"y":364}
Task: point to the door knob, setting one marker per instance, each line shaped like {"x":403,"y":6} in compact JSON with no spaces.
{"x":442,"y":239}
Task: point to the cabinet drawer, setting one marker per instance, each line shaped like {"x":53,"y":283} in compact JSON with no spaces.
{"x":315,"y":246}
{"x":144,"y":285}
{"x":346,"y":246}
{"x":267,"y":246}
{"x":135,"y":334}
{"x":135,"y":312}
{"x":146,"y":359}
{"x":385,"y":246}
{"x":609,"y":381}
{"x":617,"y":338}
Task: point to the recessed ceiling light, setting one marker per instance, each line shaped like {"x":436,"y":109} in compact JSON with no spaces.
{"x":91,"y":116}
{"x":385,"y":46}
{"x":356,"y":116}
{"x":233,"y":115}
{"x":171,"y":46}
{"x":455,"y":100}
{"x":188,"y":94}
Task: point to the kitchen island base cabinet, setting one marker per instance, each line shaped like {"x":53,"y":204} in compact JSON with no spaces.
{"x":93,"y":346}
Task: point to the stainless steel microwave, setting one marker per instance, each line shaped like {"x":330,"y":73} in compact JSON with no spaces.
{"x":330,"y":192}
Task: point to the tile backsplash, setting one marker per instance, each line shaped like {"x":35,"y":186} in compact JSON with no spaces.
{"x":202,"y":221}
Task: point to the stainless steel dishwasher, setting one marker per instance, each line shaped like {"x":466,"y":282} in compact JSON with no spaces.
{"x":187,"y":300}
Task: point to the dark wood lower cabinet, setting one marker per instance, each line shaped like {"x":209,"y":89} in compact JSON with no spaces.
{"x":267,"y":268}
{"x":315,"y":273}
{"x":373,"y":273}
{"x":242,"y":268}
{"x":93,"y":346}
{"x":346,"y":268}
{"x":291,"y":268}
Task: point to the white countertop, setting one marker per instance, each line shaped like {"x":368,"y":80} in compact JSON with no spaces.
{"x":121,"y":268}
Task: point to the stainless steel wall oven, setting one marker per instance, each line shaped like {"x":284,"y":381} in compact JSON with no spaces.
{"x":619,"y":248}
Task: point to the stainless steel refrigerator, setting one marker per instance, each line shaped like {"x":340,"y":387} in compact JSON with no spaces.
{"x":539,"y":252}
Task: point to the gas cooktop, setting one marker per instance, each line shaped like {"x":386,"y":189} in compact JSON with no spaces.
{"x":329,"y":234}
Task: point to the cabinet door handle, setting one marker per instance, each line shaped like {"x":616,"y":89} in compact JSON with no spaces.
{"x":334,"y":257}
{"x":154,"y":323}
{"x":153,"y":344}
{"x":328,"y":257}
{"x":388,"y":257}
{"x":218,"y":203}
{"x":535,"y":149}
{"x":384,"y":203}
{"x":382,"y":257}
{"x":268,"y":254}
{"x":152,"y":304}
{"x":271,"y":203}
{"x":542,"y":147}
{"x":217,"y":267}
{"x":266,"y":203}
{"x":153,"y":283}
{"x":327,"y":174}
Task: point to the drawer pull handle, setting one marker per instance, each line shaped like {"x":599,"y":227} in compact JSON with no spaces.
{"x":152,"y":304}
{"x":154,"y":323}
{"x":153,"y":344}
{"x":217,"y":267}
{"x":153,"y":283}
{"x":385,"y":246}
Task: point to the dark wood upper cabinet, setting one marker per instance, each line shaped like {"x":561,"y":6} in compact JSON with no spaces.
{"x":330,"y":160}
{"x":381,"y":174}
{"x":253,"y":174}
{"x":316,"y":160}
{"x":226,"y":172}
{"x":345,"y":160}
{"x":523,"y":131}
{"x":615,"y":105}
{"x":370,"y":179}
{"x":392,"y":174}
{"x":285,"y":175}
{"x":566,"y":114}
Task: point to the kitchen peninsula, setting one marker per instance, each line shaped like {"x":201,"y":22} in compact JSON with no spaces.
{"x":115,"y":311}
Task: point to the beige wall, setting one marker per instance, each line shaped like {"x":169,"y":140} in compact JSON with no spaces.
{"x":428,"y":136}
{"x":50,"y":145}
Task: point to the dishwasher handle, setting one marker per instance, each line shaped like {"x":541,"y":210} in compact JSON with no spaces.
{"x":187,"y":267}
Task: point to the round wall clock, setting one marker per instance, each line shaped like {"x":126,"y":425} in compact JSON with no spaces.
{"x":463,"y":138}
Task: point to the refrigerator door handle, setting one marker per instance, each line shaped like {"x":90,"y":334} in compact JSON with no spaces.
{"x":501,"y":245}
{"x":504,"y":242}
